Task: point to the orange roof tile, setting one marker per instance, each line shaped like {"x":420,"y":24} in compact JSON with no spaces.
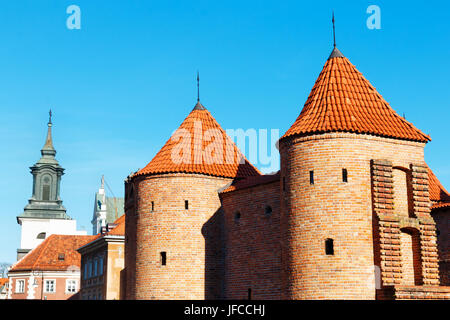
{"x":438,"y":195}
{"x":3,"y":281}
{"x":45,"y":257}
{"x":119,"y":229}
{"x":198,"y":132}
{"x":252,"y":182}
{"x":342,"y":100}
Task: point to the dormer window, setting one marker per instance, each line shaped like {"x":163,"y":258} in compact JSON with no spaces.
{"x":41,"y":235}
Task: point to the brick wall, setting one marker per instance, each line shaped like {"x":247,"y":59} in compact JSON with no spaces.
{"x":191,"y":238}
{"x":441,"y":217}
{"x":331,"y":208}
{"x":253,"y":250}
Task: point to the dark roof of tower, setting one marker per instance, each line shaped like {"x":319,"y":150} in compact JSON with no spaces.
{"x":225,"y":161}
{"x":342,"y":100}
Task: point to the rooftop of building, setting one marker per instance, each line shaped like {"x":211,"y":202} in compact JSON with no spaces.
{"x":56,"y":253}
{"x":438,"y":194}
{"x":343,"y":100}
{"x":117,"y":230}
{"x":3,"y":281}
{"x":183,"y":152}
{"x":250,"y":182}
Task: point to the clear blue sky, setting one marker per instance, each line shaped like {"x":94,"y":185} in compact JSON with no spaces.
{"x":119,"y":86}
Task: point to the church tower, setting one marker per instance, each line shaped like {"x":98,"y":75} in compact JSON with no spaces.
{"x":44,"y":214}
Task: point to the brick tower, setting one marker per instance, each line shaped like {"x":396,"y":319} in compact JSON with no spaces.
{"x":355,"y":209}
{"x":173,"y":246}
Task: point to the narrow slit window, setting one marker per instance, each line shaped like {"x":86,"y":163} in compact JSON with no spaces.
{"x":237,"y":216}
{"x":344,"y":175}
{"x":163,"y":258}
{"x":268,"y":211}
{"x":153,"y":206}
{"x":186,"y":204}
{"x":46,"y":192}
{"x":311,"y":177}
{"x":249,"y":294}
{"x":329,"y":247}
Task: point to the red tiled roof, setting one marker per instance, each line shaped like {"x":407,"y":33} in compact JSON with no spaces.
{"x":45,"y":257}
{"x":199,"y":123}
{"x":342,"y":100}
{"x":252,"y":182}
{"x":3,"y":281}
{"x":438,"y":195}
{"x":119,"y":229}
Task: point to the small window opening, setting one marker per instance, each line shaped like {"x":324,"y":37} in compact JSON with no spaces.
{"x":268,"y":210}
{"x":153,"y":206}
{"x":344,"y":175}
{"x":249,"y":294}
{"x":41,"y":235}
{"x":163,"y":258}
{"x":311,"y":177}
{"x":45,"y":192}
{"x":329,"y":247}
{"x":237,"y":216}
{"x":186,"y":204}
{"x":61,"y":257}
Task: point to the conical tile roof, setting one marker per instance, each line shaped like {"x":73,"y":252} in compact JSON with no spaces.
{"x":200,"y":146}
{"x":342,"y":100}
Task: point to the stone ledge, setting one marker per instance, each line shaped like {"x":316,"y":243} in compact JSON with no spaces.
{"x":402,"y":292}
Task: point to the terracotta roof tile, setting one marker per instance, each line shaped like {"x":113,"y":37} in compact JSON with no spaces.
{"x":342,"y":100}
{"x":200,"y":123}
{"x":119,"y":229}
{"x":438,"y":195}
{"x":46,"y":255}
{"x":252,"y":182}
{"x":3,"y":281}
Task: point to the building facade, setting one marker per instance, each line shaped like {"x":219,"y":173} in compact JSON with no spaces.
{"x":51,"y":271}
{"x":349,"y":215}
{"x":102,"y":264}
{"x":45,"y":214}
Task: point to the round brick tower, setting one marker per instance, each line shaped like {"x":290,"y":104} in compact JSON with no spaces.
{"x":174,"y":248}
{"x":326,"y":202}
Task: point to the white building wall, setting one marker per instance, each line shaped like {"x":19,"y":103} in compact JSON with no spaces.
{"x":32,"y":227}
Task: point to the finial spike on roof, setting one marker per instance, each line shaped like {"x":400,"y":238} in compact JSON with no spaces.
{"x":103,"y":182}
{"x":48,"y":148}
{"x":334,"y":32}
{"x":198,"y":86}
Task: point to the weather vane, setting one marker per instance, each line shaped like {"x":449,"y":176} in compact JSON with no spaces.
{"x":50,"y":116}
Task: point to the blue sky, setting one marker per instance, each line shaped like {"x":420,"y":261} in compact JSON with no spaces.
{"x":121,"y":84}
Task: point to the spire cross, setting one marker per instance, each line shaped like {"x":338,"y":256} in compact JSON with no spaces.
{"x":334,"y":32}
{"x":198,"y":86}
{"x":50,"y":116}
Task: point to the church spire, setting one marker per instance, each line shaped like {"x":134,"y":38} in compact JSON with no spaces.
{"x":48,"y":149}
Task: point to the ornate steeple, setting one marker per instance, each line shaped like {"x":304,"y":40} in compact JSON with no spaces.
{"x":48,"y":149}
{"x":45,"y":201}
